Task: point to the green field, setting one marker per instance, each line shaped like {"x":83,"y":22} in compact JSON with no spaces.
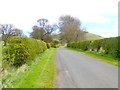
{"x":38,"y":74}
{"x":90,"y":36}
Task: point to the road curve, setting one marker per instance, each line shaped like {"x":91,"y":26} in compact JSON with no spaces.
{"x":75,"y":70}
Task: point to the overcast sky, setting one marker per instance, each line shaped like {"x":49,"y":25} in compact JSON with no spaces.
{"x":98,"y":16}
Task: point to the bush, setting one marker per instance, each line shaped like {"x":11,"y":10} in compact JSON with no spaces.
{"x":48,"y":45}
{"x":103,"y":46}
{"x":84,"y":45}
{"x":55,"y":45}
{"x":58,"y":45}
{"x":95,"y":45}
{"x":111,"y":46}
{"x":22,"y":49}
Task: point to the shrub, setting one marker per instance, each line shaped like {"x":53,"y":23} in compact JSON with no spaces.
{"x":68,"y":45}
{"x":95,"y":45}
{"x":22,"y":49}
{"x":55,"y":45}
{"x":58,"y":45}
{"x":111,"y":46}
{"x":103,"y":46}
{"x":48,"y":45}
{"x":84,"y":45}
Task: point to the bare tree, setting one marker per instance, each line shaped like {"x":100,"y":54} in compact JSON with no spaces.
{"x":17,"y":32}
{"x":42,"y":22}
{"x":70,"y":28}
{"x":43,"y":30}
{"x":8,"y":30}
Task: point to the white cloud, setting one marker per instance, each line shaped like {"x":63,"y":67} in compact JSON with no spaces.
{"x":105,"y":32}
{"x":96,"y":19}
{"x":24,"y":13}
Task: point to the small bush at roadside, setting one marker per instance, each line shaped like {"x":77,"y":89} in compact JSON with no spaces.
{"x":22,"y":49}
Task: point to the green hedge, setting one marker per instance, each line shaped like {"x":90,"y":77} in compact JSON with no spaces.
{"x":104,"y":46}
{"x":22,"y":49}
{"x":55,"y":45}
{"x":48,"y":45}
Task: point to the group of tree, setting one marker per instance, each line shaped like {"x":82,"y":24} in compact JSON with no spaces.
{"x":69,"y":30}
{"x":8,"y":30}
{"x":43,"y":30}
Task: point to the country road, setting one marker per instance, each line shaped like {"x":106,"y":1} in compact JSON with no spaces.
{"x":75,"y":70}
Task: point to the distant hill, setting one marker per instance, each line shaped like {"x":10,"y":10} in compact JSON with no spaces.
{"x":91,"y":36}
{"x":88,"y":36}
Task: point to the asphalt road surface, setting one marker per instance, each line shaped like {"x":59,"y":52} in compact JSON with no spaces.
{"x":75,"y":70}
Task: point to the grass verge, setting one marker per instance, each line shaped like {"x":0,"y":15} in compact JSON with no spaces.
{"x":106,"y":58}
{"x":39,"y":74}
{"x":0,"y":63}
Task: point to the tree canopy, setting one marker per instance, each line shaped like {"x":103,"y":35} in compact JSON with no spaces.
{"x":43,"y":30}
{"x":70,"y":28}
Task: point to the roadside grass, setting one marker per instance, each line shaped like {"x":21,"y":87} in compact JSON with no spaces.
{"x":106,"y":58}
{"x":38,"y":74}
{"x":1,"y":51}
{"x":0,"y":63}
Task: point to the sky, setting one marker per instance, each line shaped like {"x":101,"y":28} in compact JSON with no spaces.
{"x":97,"y":16}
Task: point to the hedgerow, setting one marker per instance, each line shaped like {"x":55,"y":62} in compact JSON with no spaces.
{"x":104,"y":46}
{"x":55,"y":45}
{"x":20,"y":50}
{"x":48,"y":45}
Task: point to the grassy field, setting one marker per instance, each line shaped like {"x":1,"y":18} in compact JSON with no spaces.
{"x":106,"y":58}
{"x":90,"y":36}
{"x":38,"y":74}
